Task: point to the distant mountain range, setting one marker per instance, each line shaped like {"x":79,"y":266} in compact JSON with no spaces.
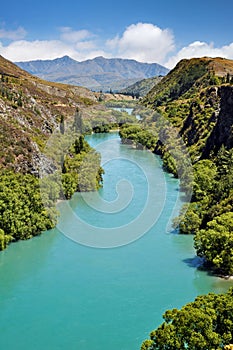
{"x":96,"y":74}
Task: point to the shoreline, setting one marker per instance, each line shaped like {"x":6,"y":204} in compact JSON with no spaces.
{"x":225,"y":278}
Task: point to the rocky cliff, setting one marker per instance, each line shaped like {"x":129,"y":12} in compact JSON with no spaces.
{"x":222,"y":133}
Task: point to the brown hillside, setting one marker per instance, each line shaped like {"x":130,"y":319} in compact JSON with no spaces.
{"x":30,"y":109}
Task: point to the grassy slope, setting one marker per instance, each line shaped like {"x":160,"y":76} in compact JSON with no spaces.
{"x":189,"y":97}
{"x":142,"y":87}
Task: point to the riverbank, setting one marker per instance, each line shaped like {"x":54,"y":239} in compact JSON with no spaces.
{"x":80,"y":290}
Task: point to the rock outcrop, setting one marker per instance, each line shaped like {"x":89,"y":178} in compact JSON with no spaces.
{"x":222,"y":133}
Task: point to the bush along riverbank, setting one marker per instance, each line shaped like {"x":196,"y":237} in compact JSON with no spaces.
{"x":196,"y":98}
{"x":28,"y":204}
{"x":200,"y":109}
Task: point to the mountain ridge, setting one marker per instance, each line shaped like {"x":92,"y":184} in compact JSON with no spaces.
{"x":98,"y":74}
{"x":141,"y":87}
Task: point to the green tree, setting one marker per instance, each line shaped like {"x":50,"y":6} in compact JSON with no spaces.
{"x":78,"y":121}
{"x":22,"y":214}
{"x":62,"y":124}
{"x":215,"y":243}
{"x":204,"y":178}
{"x":206,"y":323}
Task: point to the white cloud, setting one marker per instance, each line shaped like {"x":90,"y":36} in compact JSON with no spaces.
{"x":144,"y":42}
{"x":17,"y":34}
{"x":80,"y":45}
{"x":200,"y":49}
{"x":85,"y":45}
{"x":23,"y":50}
{"x":72,"y":36}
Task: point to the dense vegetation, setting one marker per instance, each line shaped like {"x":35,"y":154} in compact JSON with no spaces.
{"x":206,"y":323}
{"x":159,"y":137}
{"x":188,"y":78}
{"x":81,"y":169}
{"x":209,"y":215}
{"x":27,"y":204}
{"x":22,"y":213}
{"x":44,"y":121}
{"x":196,"y":99}
{"x":142,"y":87}
{"x":137,"y":135}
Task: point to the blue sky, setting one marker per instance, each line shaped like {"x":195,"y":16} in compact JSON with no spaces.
{"x":149,"y":30}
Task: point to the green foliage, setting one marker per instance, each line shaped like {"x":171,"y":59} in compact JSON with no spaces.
{"x":121,"y":103}
{"x":4,"y":239}
{"x":81,"y":169}
{"x":124,"y":118}
{"x":214,"y":80}
{"x":69,"y":184}
{"x":189,"y":99}
{"x":50,"y":192}
{"x":215,"y":243}
{"x":100,"y":125}
{"x":204,"y":179}
{"x":190,"y":219}
{"x":206,"y":323}
{"x":138,"y":136}
{"x":22,"y":214}
{"x":175,"y":159}
{"x":209,"y":214}
{"x":224,"y":180}
{"x":142,"y":87}
{"x":78,"y":121}
{"x":179,"y":81}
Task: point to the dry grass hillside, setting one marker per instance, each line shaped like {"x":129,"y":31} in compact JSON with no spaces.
{"x":31,"y":108}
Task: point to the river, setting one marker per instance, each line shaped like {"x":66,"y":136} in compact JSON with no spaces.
{"x":60,"y":294}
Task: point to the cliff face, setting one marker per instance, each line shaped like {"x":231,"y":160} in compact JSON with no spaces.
{"x":222,"y":133}
{"x":209,"y":124}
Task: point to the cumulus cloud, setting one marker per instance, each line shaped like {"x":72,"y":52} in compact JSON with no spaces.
{"x":23,"y":50}
{"x":200,"y":49}
{"x":78,"y":44}
{"x":16,"y":34}
{"x":144,"y":42}
{"x":73,"y":36}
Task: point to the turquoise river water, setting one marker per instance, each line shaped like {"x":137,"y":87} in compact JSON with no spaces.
{"x":56,"y":293}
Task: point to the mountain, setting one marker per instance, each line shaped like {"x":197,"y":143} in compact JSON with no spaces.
{"x":188,"y":76}
{"x":196,"y":96}
{"x":97,"y":74}
{"x":142,"y":87}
